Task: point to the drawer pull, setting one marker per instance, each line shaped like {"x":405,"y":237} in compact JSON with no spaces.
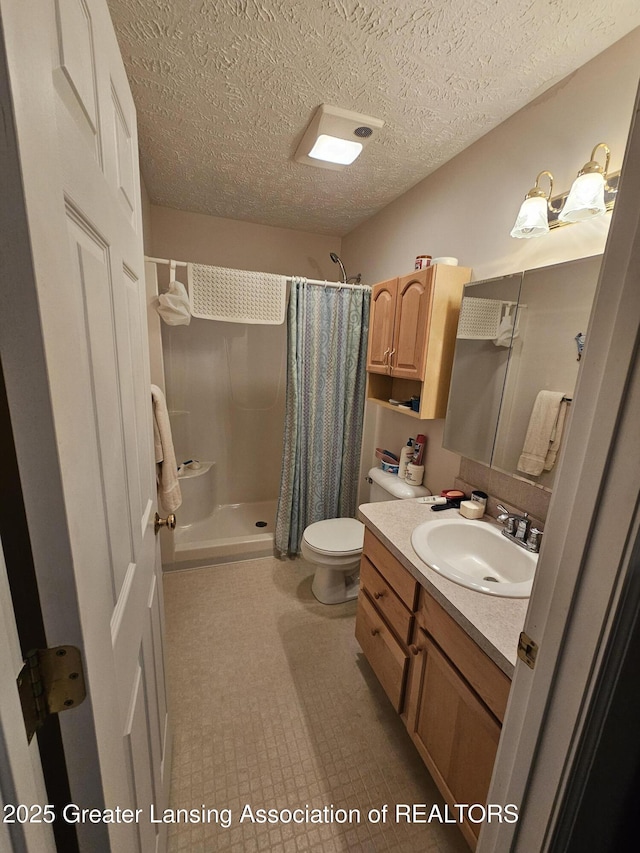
{"x":415,"y":650}
{"x":378,"y":595}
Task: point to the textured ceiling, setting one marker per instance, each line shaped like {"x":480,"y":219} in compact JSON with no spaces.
{"x":225,"y":89}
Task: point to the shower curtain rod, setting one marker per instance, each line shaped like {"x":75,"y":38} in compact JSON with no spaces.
{"x":337,"y":284}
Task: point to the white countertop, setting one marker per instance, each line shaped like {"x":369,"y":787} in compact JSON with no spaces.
{"x":494,"y":623}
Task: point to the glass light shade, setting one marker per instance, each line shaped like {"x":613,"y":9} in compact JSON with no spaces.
{"x":335,"y":150}
{"x":532,"y":219}
{"x":585,"y":200}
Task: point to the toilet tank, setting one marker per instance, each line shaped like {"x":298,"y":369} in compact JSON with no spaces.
{"x":389,"y":487}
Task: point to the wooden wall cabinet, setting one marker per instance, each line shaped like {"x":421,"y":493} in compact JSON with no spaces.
{"x":450,"y":694}
{"x":412,"y":330}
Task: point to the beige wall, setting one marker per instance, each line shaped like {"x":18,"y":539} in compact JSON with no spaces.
{"x":241,"y":245}
{"x":467,"y":208}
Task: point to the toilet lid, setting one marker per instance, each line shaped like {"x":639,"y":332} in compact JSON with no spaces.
{"x":335,"y":536}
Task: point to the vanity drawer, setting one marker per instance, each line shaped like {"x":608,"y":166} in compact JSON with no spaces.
{"x":385,"y":654}
{"x":487,"y":679}
{"x":385,"y":599}
{"x":401,"y":581}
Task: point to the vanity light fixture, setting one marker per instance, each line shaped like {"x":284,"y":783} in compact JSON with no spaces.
{"x":586,"y":197}
{"x":533,"y":218}
{"x":336,"y":137}
{"x":592,"y":194}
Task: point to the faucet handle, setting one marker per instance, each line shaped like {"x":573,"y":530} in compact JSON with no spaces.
{"x":522,"y":527}
{"x":534,"y":539}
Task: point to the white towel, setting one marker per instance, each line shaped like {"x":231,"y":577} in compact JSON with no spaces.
{"x":506,"y":333}
{"x":544,"y":433}
{"x":556,"y":435}
{"x":166,"y":468}
{"x":236,"y":296}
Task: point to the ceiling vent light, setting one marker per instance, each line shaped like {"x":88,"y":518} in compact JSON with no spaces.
{"x":335,"y":137}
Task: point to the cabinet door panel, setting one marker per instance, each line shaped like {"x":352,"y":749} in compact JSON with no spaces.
{"x":382,"y":315}
{"x":411,"y":324}
{"x":491,"y":684}
{"x":453,"y":730}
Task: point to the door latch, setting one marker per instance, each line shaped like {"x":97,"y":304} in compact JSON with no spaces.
{"x":51,"y":680}
{"x":527,"y":650}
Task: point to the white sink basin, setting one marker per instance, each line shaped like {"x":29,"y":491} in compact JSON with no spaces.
{"x":475,"y":554}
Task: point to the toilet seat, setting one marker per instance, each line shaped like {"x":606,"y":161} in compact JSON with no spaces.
{"x":335,"y":537}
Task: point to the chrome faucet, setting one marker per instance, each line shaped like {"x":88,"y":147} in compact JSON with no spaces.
{"x":518,"y":529}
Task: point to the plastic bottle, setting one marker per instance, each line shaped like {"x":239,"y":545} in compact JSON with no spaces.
{"x":418,"y":449}
{"x":406,"y":456}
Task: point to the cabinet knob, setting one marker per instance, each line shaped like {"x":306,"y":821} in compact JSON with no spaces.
{"x":415,"y":650}
{"x":378,"y":595}
{"x":375,"y":631}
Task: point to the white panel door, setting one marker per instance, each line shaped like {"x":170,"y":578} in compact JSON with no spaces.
{"x":74,"y":349}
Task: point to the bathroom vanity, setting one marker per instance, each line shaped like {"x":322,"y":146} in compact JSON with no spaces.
{"x":444,"y":654}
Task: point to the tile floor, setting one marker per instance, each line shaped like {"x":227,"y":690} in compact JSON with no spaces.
{"x":274,"y":706}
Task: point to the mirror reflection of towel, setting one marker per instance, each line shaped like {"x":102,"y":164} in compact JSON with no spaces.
{"x":544,"y":433}
{"x":506,"y":332}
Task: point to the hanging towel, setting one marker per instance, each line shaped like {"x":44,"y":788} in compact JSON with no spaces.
{"x":166,"y":468}
{"x":237,"y":296}
{"x":556,"y":435}
{"x":506,"y":333}
{"x":544,"y":433}
{"x":173,"y":306}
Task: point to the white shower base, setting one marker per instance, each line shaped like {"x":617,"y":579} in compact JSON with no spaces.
{"x":229,"y":533}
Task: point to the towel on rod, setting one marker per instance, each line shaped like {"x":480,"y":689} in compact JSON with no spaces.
{"x":556,"y":435}
{"x":169,"y":492}
{"x":544,"y":433}
{"x":173,"y":306}
{"x":506,"y":330}
{"x":236,"y":296}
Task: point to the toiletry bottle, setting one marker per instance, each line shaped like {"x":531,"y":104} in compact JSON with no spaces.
{"x":406,"y":455}
{"x":418,"y":449}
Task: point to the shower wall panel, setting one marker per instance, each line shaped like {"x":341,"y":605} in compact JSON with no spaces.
{"x":226,"y":392}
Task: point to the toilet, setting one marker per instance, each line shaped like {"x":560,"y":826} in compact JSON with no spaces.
{"x":334,"y":546}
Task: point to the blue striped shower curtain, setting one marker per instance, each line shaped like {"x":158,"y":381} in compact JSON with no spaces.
{"x":327,"y":333}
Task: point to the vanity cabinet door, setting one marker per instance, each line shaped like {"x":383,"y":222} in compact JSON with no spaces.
{"x":453,"y":730}
{"x":411,"y":325}
{"x":381,"y":320}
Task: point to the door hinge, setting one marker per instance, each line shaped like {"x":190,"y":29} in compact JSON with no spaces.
{"x":527,"y":650}
{"x":51,"y":680}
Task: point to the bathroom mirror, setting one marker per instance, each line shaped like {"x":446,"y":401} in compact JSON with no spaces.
{"x":516,"y":337}
{"x":479,"y":367}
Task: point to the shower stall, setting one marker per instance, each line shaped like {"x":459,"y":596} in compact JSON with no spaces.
{"x":225,"y":385}
{"x":225,"y":388}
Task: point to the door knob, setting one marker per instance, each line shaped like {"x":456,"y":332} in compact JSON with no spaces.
{"x":169,"y":521}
